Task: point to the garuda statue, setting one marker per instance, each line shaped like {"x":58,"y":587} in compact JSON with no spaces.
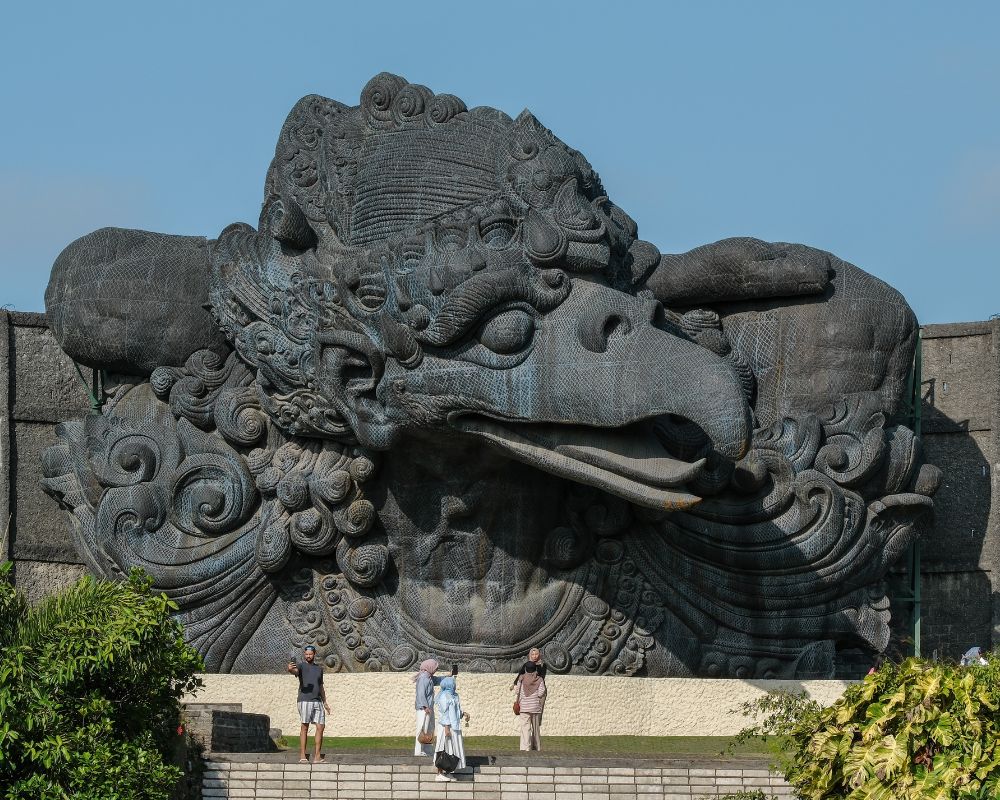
{"x":444,"y":401}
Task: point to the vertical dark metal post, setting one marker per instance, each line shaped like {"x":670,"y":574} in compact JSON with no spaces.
{"x":915,"y":567}
{"x":94,"y":390}
{"x":915,"y":550}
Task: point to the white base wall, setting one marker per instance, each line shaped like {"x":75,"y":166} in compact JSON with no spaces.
{"x":381,"y":703}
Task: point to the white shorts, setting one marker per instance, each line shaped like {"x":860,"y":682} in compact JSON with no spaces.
{"x":312,"y":711}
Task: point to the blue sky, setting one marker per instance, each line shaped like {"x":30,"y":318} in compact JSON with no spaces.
{"x":868,"y":129}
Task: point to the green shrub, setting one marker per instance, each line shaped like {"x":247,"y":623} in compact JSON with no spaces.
{"x":913,"y":731}
{"x":90,"y":683}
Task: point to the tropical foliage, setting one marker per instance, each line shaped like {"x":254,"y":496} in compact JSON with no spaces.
{"x":918,"y":730}
{"x":90,"y":683}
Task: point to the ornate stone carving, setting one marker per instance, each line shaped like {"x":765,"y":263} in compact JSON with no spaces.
{"x":464,"y":410}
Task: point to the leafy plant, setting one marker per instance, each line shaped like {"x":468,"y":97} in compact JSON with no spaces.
{"x":751,"y":794}
{"x":90,"y":684}
{"x":913,"y":731}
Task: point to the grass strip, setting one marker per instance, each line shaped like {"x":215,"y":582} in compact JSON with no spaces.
{"x":582,"y":746}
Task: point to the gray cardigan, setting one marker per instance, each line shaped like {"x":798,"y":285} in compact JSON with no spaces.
{"x":425,"y":690}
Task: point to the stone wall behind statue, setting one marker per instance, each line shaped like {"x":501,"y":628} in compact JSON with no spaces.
{"x":960,"y":422}
{"x":40,"y":388}
{"x":961,"y":434}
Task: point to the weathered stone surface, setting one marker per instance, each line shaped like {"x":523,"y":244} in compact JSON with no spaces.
{"x":962,"y":504}
{"x":39,"y":534}
{"x":226,"y":728}
{"x":959,"y":389}
{"x":43,"y":389}
{"x":46,"y":387}
{"x":961,"y":413}
{"x":957,"y":609}
{"x":39,"y":387}
{"x":39,"y":579}
{"x":467,"y":410}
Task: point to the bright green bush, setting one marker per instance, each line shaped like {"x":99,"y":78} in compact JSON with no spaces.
{"x":919,"y":730}
{"x":90,"y":683}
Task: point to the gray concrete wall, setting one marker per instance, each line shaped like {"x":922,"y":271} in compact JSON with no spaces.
{"x":961,"y":425}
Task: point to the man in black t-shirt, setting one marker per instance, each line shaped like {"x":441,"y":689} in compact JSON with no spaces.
{"x":534,"y":657}
{"x":312,"y":701}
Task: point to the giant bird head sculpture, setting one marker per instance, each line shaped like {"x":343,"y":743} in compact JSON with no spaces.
{"x":453,"y":289}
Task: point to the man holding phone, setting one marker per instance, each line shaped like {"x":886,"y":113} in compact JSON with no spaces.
{"x":312,"y":701}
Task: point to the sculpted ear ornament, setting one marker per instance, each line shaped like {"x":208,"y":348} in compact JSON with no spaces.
{"x":291,"y":226}
{"x":544,"y":241}
{"x":575,"y":213}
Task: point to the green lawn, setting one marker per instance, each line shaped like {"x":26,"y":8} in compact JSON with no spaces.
{"x":591,"y":746}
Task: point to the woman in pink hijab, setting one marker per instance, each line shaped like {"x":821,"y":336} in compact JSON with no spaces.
{"x":531,"y":701}
{"x":425,"y":681}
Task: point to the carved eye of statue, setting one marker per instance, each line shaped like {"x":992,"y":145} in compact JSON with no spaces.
{"x":542,"y":179}
{"x":497,"y":233}
{"x":450,"y":239}
{"x":508,"y":332}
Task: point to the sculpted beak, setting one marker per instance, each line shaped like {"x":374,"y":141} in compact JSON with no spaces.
{"x":599,"y":383}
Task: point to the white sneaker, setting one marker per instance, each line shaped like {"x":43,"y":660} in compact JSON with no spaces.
{"x":443,"y":778}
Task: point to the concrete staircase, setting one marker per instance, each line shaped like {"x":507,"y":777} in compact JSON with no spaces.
{"x":534,"y":777}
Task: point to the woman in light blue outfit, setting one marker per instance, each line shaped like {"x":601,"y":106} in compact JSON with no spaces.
{"x":449,"y":723}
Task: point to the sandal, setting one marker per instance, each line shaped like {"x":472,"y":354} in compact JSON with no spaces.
{"x":303,"y":760}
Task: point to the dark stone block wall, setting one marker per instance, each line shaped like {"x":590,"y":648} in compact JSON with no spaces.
{"x":961,"y":407}
{"x":41,"y":389}
{"x":959,"y":555}
{"x":225,"y":728}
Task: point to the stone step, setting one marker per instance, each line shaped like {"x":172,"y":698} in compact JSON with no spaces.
{"x":501,"y":777}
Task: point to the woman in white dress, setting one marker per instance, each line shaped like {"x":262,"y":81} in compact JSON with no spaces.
{"x":449,"y":725}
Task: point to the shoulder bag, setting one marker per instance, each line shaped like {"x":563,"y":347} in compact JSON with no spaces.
{"x":426,"y":736}
{"x":444,"y":760}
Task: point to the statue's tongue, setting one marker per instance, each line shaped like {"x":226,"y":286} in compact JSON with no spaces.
{"x":631,"y":452}
{"x":623,"y":462}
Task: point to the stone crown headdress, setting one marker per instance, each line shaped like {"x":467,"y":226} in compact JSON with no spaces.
{"x":403,"y":156}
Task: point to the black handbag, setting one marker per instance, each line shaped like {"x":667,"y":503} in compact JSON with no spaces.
{"x":444,"y":760}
